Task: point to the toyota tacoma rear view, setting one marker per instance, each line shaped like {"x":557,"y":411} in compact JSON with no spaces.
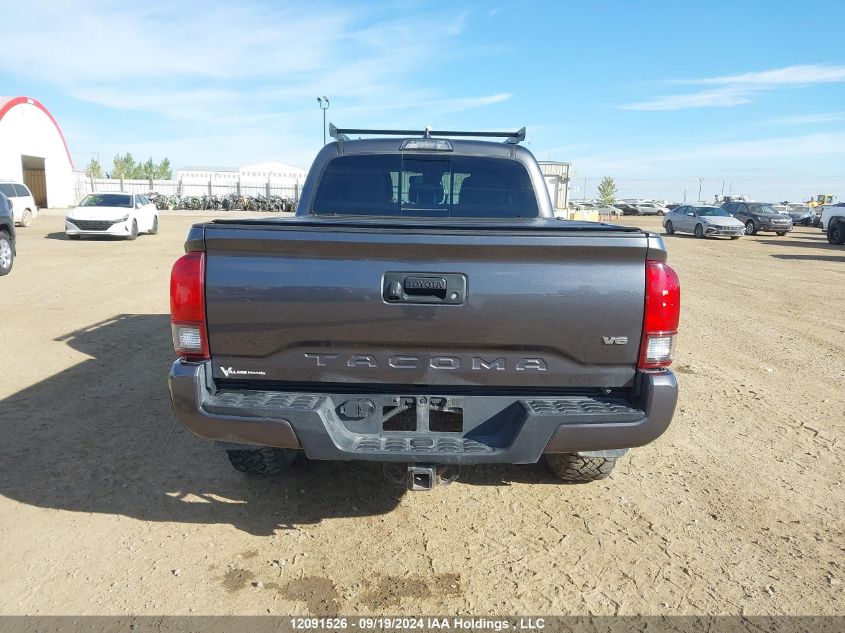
{"x":426,"y":309}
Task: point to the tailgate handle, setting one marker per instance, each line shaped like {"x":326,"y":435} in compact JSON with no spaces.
{"x":434,"y":287}
{"x":449,"y":288}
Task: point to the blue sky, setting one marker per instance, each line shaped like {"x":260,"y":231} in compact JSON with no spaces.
{"x":655,"y":94}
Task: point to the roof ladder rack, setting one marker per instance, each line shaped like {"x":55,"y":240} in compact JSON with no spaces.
{"x":341,"y":134}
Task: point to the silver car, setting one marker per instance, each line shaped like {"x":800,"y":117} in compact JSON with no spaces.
{"x":651,"y":208}
{"x":703,"y":221}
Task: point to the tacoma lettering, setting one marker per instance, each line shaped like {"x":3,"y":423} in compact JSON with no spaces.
{"x":406,"y":361}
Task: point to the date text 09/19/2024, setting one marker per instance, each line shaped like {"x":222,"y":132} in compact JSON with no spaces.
{"x":417,"y":623}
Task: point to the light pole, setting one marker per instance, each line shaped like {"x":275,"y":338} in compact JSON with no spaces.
{"x":700,"y":180}
{"x":321,"y":102}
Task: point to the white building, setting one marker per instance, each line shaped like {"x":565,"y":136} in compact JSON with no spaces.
{"x":33,"y":151}
{"x":556,"y":175}
{"x":278,"y":174}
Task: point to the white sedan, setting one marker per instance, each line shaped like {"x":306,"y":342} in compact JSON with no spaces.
{"x":116,"y":214}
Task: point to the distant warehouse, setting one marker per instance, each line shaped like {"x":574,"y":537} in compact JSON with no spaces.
{"x":251,"y":178}
{"x":33,"y":151}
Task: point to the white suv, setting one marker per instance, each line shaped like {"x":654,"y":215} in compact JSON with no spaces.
{"x":833,"y":223}
{"x":23,"y":204}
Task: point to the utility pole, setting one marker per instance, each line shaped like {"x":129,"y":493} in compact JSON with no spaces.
{"x":700,"y":180}
{"x":685,"y":194}
{"x":321,"y":102}
{"x":584,"y":195}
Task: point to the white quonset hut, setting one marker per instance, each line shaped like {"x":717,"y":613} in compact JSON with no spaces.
{"x":33,"y":151}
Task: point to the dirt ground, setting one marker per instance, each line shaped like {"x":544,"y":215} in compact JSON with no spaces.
{"x":108,"y":506}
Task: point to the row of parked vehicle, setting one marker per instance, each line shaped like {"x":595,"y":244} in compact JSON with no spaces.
{"x":736,"y":218}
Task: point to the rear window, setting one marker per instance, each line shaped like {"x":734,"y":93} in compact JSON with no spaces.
{"x":22,"y":190}
{"x":425,"y":186}
{"x":7,"y":189}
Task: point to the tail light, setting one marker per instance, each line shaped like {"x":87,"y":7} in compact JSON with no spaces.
{"x":662,"y":312}
{"x":187,"y":307}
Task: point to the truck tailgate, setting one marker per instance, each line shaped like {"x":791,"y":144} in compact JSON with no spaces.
{"x":292,"y":302}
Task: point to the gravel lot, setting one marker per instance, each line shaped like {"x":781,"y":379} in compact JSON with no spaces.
{"x":107,"y":506}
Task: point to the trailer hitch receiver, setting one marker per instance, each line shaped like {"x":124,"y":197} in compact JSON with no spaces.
{"x":422,"y":476}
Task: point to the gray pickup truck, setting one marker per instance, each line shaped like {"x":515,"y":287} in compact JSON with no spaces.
{"x":424,"y":308}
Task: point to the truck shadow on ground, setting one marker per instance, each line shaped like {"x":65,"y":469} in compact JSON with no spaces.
{"x":101,"y":437}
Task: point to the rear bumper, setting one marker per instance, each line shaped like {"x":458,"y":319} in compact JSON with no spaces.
{"x":497,"y":429}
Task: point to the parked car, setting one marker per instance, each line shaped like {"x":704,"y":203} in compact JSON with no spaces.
{"x":833,"y":223}
{"x":651,"y":208}
{"x":351,"y":331}
{"x":7,"y":236}
{"x":759,"y":216}
{"x":703,"y":221}
{"x":626,"y":208}
{"x":117,"y":214}
{"x":23,"y":204}
{"x":801,"y":214}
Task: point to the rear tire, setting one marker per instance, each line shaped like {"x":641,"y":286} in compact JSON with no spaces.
{"x":573,"y":468}
{"x":780,"y":233}
{"x":154,"y":229}
{"x":699,"y":231}
{"x":750,"y":228}
{"x":670,"y":230}
{"x":734,"y":237}
{"x":836,"y":233}
{"x":262,"y":461}
{"x":26,"y":218}
{"x":7,"y":254}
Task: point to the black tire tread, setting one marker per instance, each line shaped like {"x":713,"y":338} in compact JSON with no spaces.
{"x":836,"y":232}
{"x":573,"y":468}
{"x":262,"y":461}
{"x":6,"y":236}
